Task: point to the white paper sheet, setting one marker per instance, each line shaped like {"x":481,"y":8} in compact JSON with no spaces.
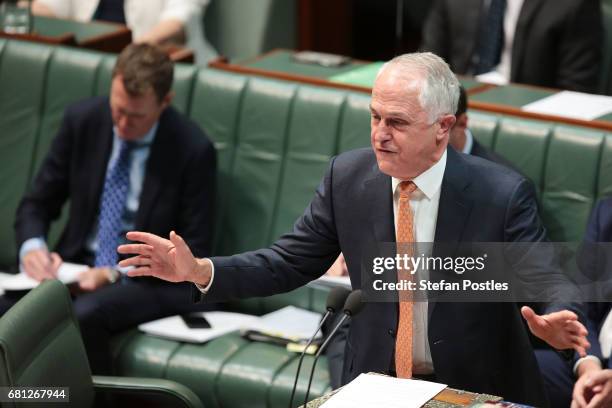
{"x":571,"y":104}
{"x":67,"y":273}
{"x":175,"y":328}
{"x":371,"y":390}
{"x":288,"y":322}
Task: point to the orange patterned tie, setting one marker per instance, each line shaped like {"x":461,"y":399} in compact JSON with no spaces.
{"x":405,"y":241}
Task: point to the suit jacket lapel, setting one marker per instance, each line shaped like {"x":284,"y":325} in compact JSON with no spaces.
{"x":454,"y":208}
{"x":99,"y":149}
{"x":528,"y":11}
{"x":379,"y":204}
{"x":157,"y":171}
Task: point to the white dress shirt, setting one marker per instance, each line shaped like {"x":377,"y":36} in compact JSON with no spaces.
{"x":424,"y":203}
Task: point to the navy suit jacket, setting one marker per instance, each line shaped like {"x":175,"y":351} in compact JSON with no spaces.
{"x":599,"y":229}
{"x":482,"y":347}
{"x":178,"y":189}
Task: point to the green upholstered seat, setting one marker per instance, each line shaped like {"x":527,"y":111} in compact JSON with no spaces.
{"x":23,"y":69}
{"x":41,"y":346}
{"x":513,"y":135}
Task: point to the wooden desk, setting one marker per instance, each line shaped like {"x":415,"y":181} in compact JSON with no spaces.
{"x":93,"y":35}
{"x":279,"y":64}
{"x":506,"y":100}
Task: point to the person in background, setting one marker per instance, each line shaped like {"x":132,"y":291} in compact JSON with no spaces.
{"x":160,"y":22}
{"x":125,"y":161}
{"x":553,"y":43}
{"x":463,"y":141}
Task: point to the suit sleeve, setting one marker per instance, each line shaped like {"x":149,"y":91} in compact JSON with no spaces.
{"x":535,"y":259}
{"x":197,"y":201}
{"x":579,"y":50}
{"x":292,"y":261}
{"x":436,"y":36}
{"x":43,"y":202}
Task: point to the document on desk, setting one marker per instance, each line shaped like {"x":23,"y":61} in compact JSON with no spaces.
{"x":67,"y":273}
{"x":175,"y":328}
{"x":373,"y":390}
{"x":576,"y":105}
{"x":290,"y":323}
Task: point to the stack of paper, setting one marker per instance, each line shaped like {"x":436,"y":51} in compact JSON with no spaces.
{"x":571,"y":104}
{"x":373,"y":390}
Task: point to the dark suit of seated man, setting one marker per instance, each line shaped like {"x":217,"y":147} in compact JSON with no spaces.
{"x":131,"y":161}
{"x":482,"y":347}
{"x":563,"y":379}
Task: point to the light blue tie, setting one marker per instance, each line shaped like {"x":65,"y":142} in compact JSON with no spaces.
{"x":112,"y":206}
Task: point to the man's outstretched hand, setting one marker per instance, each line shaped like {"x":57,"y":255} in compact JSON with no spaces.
{"x":561,"y":330}
{"x":169,"y":260}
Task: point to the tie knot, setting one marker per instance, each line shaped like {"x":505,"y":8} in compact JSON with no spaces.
{"x":406,"y":188}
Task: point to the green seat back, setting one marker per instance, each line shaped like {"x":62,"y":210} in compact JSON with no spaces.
{"x":512,"y":138}
{"x":570,"y":181}
{"x":484,"y":127}
{"x":41,"y":345}
{"x":23,"y":68}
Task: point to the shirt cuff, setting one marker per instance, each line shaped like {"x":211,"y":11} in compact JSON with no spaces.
{"x":205,"y":289}
{"x":30,"y":245}
{"x":580,"y":360}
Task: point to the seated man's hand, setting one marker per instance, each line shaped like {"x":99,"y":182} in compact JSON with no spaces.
{"x":593,"y":389}
{"x":169,"y":260}
{"x":561,"y":330}
{"x":41,"y":264}
{"x":94,"y":278}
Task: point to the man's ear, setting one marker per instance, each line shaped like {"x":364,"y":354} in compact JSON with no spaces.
{"x":167,"y":99}
{"x":462,"y":121}
{"x":446,"y":122}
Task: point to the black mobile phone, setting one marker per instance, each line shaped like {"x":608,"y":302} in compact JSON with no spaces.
{"x":196,"y":321}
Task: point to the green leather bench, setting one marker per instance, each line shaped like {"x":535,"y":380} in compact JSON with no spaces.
{"x":274,"y":140}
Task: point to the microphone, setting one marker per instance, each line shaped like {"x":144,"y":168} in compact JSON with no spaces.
{"x":352,"y":306}
{"x":335,"y":301}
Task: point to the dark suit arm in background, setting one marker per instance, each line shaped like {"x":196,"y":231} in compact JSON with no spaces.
{"x":197,"y":200}
{"x":542,"y":274}
{"x":43,"y":201}
{"x":436,"y":31}
{"x":292,"y":261}
{"x":580,"y":52}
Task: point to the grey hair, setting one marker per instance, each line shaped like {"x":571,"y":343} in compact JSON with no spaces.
{"x":439,"y":93}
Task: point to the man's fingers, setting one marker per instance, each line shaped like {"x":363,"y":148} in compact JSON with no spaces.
{"x":180,"y":244}
{"x":597,"y":401}
{"x":140,"y":249}
{"x":56,"y":262}
{"x":528,"y":313}
{"x":141,"y":271}
{"x":578,"y":395}
{"x":147,"y":238}
{"x":136,"y":261}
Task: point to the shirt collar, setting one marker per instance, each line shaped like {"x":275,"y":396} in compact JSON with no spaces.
{"x":146,"y":140}
{"x":469,"y":142}
{"x":429,"y":181}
